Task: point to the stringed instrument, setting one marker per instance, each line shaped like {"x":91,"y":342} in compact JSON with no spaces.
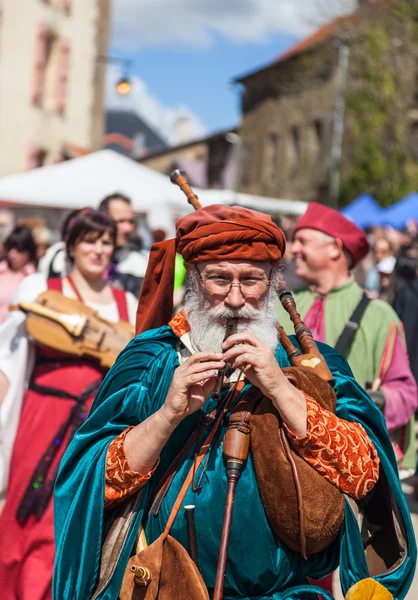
{"x":69,"y":326}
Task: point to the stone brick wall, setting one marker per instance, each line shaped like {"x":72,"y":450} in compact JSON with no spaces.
{"x":286,"y":128}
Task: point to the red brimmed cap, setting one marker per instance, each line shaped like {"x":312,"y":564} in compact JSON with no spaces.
{"x":330,"y":221}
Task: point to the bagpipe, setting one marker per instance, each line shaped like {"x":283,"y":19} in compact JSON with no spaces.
{"x":303,"y":509}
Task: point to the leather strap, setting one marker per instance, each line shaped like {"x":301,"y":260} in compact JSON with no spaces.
{"x":168,"y":476}
{"x":301,"y":510}
{"x":346,"y":338}
{"x":200,"y":456}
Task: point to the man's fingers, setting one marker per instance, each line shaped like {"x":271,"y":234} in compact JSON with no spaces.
{"x":203,"y":357}
{"x":245,"y":360}
{"x":200,"y":377}
{"x":204,"y":366}
{"x":241,"y":338}
{"x":232,"y":353}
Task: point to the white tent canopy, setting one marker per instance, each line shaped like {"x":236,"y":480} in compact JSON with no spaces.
{"x":85,"y":181}
{"x":268,"y":205}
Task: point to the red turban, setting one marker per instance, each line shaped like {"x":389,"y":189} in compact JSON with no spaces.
{"x":330,"y":221}
{"x":214,"y":233}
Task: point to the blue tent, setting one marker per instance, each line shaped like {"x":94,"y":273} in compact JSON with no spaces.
{"x":400,"y":213}
{"x":364,"y":211}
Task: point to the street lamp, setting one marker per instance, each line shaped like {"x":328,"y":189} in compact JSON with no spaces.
{"x":124,"y":85}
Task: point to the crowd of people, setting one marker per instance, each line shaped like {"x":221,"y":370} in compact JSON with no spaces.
{"x":132,"y":452}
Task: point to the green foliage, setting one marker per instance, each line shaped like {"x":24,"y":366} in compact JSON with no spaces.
{"x":381,"y":163}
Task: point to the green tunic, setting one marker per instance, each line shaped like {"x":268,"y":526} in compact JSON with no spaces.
{"x":371,"y":352}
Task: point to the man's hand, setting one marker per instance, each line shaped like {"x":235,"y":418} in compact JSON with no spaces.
{"x":257,"y":361}
{"x":192,"y":384}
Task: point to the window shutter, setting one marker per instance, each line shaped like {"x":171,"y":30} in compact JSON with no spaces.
{"x":40,"y":57}
{"x":63,"y":72}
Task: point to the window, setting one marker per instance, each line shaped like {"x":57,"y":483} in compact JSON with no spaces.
{"x":51,"y":68}
{"x":36,"y":157}
{"x":294,"y":151}
{"x":319,"y":131}
{"x":63,"y":71}
{"x":246,"y":163}
{"x":274,"y":154}
{"x":296,"y":141}
{"x":314,"y":140}
{"x":39,"y":62}
{"x":413,"y":139}
{"x":50,"y":75}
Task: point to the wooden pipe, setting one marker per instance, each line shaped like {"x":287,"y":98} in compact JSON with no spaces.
{"x":310,"y":357}
{"x":179,"y":178}
{"x":191,"y":534}
{"x":236,"y":447}
{"x":231,"y":327}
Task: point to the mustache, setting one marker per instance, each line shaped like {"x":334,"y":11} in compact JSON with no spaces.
{"x":227,"y":312}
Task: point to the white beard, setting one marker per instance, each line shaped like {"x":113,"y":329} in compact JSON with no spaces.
{"x":207,"y":324}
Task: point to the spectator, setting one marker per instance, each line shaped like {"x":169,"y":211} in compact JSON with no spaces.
{"x":129,"y":260}
{"x":385,"y":269}
{"x":405,"y":304}
{"x":45,"y":395}
{"x":20,"y":261}
{"x":382,"y":249}
{"x":7,"y":223}
{"x":55,"y":262}
{"x":43,"y":240}
{"x":158,"y":235}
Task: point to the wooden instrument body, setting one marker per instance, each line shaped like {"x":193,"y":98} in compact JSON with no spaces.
{"x":68,"y":326}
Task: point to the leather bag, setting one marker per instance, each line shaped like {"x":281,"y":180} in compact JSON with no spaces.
{"x":305,"y":510}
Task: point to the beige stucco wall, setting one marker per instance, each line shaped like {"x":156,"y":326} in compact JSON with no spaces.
{"x":21,"y":122}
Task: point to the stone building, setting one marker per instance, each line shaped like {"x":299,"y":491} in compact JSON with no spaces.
{"x":210,"y":162}
{"x":287,"y":119}
{"x":51,"y":80}
{"x":295,"y":125}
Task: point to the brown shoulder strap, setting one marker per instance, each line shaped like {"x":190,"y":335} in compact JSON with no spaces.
{"x":200,"y":456}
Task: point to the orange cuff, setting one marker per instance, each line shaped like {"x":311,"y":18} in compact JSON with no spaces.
{"x":121,"y":480}
{"x":339,"y":450}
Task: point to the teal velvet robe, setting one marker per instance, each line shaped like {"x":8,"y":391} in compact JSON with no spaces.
{"x":260,"y":566}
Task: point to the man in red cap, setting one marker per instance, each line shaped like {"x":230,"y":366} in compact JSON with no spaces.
{"x":327,"y":246}
{"x":152,"y":445}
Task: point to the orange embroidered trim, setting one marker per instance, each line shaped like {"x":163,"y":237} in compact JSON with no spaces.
{"x":179,"y":324}
{"x":339,"y":450}
{"x":121,"y":481}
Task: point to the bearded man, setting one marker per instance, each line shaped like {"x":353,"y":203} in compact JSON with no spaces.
{"x":151,"y":435}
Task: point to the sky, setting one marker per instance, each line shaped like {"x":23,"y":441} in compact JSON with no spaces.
{"x":186,"y":53}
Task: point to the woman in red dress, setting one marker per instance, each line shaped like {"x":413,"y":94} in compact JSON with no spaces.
{"x":61,"y":389}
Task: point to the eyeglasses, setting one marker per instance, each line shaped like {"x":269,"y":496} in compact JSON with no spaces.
{"x":249,"y":286}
